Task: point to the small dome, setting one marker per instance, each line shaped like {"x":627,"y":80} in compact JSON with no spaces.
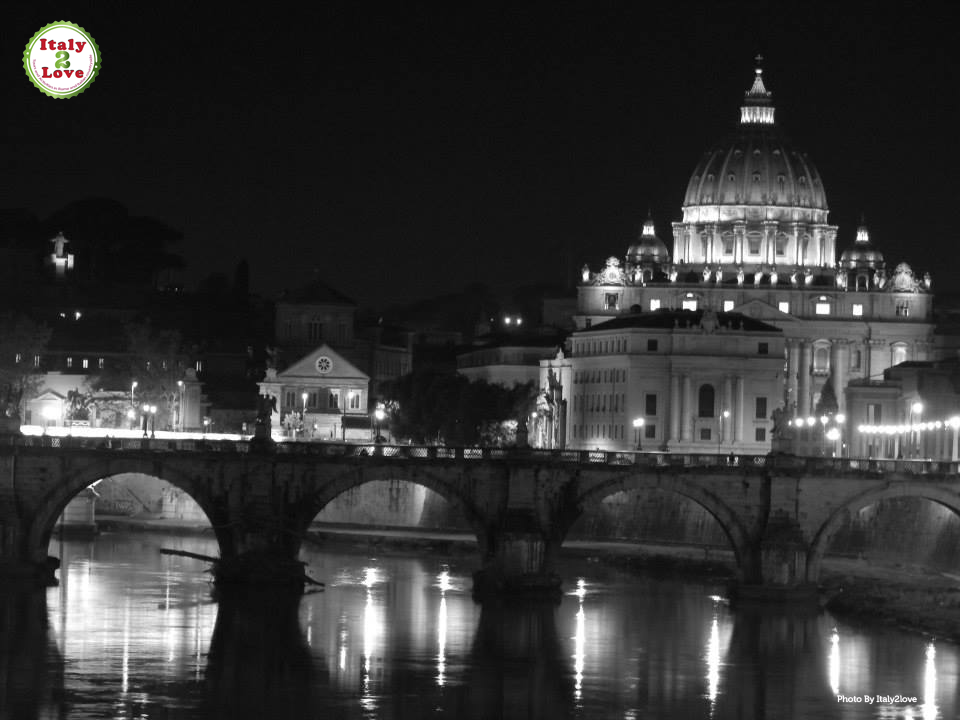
{"x":863,"y":254}
{"x":648,"y":247}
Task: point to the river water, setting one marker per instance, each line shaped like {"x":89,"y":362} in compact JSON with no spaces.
{"x":130,"y":633}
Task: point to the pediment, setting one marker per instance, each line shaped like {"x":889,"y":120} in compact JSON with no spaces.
{"x":323,"y":363}
{"x":760,"y":310}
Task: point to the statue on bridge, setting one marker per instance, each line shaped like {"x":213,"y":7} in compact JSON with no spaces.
{"x":10,"y":398}
{"x":266,"y":407}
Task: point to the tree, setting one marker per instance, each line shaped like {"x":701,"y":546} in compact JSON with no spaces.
{"x":156,"y":361}
{"x":21,"y":341}
{"x":429,"y":406}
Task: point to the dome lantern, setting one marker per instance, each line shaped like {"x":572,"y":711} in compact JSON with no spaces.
{"x":757,"y":108}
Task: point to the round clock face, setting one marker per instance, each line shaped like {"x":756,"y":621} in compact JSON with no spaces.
{"x":324,"y":364}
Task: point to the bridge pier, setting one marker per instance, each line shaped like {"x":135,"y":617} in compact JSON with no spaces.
{"x":519,"y":559}
{"x":777,"y":571}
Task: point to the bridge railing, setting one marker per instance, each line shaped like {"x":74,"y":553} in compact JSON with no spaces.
{"x":468,"y":454}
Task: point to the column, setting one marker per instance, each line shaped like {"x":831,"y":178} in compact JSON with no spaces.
{"x":674,"y":408}
{"x":839,"y":367}
{"x":686,"y":410}
{"x":803,"y":382}
{"x":740,"y":412}
{"x":793,"y":374}
{"x":727,"y":404}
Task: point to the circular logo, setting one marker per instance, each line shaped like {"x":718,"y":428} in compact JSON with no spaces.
{"x":62,"y":59}
{"x":324,"y":364}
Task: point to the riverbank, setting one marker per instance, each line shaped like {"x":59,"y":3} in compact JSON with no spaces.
{"x":910,"y":598}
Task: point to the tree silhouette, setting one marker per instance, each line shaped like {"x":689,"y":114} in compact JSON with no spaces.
{"x":21,"y":341}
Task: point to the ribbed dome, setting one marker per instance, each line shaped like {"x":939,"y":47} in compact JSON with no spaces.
{"x":648,"y":247}
{"x":756,"y":165}
{"x":863,"y":253}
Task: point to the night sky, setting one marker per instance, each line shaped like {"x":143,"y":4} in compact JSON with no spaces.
{"x":408,"y":152}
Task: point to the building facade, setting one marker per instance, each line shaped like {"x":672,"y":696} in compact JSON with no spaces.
{"x":755,"y":239}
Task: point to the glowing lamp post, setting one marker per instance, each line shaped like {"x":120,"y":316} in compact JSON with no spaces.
{"x":144,"y":418}
{"x":638,"y":426}
{"x":916,"y":410}
{"x":379,"y":414}
{"x":725,"y":415}
{"x":153,"y":421}
{"x":180,"y":406}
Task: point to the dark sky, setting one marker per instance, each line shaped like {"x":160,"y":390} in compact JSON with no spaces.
{"x":408,"y":152}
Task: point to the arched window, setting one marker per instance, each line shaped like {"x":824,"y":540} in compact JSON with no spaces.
{"x":898,"y":354}
{"x":705,"y":401}
{"x":821,"y":361}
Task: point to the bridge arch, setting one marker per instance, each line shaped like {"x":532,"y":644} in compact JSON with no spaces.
{"x":52,"y":503}
{"x":457,"y":492}
{"x":729,"y":523}
{"x":835,"y":522}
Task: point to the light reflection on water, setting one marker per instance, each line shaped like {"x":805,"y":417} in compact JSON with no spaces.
{"x":133,"y":634}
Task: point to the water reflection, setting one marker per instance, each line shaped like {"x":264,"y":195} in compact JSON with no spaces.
{"x":31,"y":667}
{"x":260,"y":664}
{"x":133,"y":634}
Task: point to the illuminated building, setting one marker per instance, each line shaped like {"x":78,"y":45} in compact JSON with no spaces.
{"x":322,"y":396}
{"x":754,"y":239}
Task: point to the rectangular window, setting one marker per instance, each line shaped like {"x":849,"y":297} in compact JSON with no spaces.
{"x":611,"y":301}
{"x":18,"y":358}
{"x":855,"y":360}
{"x":781,"y":246}
{"x":199,"y":365}
{"x":783,"y":306}
{"x":69,"y":362}
{"x":85,"y":363}
{"x":100,"y":363}
{"x":903,"y":309}
{"x":290,"y":398}
{"x":728,"y":246}
{"x":705,"y":433}
{"x":689,"y":304}
{"x":315,"y":331}
{"x":355,"y":401}
{"x":728,"y":305}
{"x":650,"y":404}
{"x":760,"y":408}
{"x":760,"y":434}
{"x":650,"y":431}
{"x":822,"y":308}
{"x":873,"y":414}
{"x":654,"y":304}
{"x":588,"y":322}
{"x":36,"y":361}
{"x":763,"y":348}
{"x":753,"y":246}
{"x":333,"y":400}
{"x":652,"y":345}
{"x":312,"y":399}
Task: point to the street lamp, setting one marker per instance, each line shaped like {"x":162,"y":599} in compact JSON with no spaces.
{"x":133,"y":386}
{"x":723,"y":416}
{"x":638,"y":426}
{"x":180,"y":406}
{"x":379,"y":414}
{"x":206,"y":425}
{"x":343,"y":415}
{"x":153,"y":422}
{"x":146,"y":414}
{"x":916,"y":409}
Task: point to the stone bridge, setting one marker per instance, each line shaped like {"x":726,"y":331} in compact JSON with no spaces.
{"x":778,"y":512}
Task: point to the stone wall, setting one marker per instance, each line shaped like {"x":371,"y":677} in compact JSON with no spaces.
{"x":652,"y":516}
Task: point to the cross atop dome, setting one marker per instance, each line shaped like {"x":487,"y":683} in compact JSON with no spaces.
{"x":648,"y":229}
{"x":757,"y":108}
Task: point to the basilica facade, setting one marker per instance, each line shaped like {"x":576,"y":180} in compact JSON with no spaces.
{"x":754,"y":264}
